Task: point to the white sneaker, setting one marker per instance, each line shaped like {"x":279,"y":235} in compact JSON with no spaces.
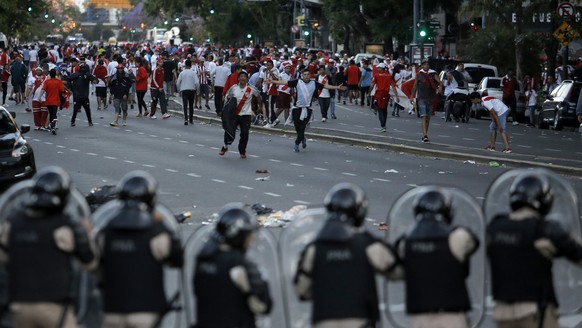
{"x":324,"y":119}
{"x":165,"y":116}
{"x":153,"y":117}
{"x":515,"y":123}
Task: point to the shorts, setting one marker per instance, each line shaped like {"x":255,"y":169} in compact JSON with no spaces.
{"x":425,"y":108}
{"x":283,"y":100}
{"x":204,"y":90}
{"x":19,"y":86}
{"x":353,"y":87}
{"x":502,"y":120}
{"x":265,"y":98}
{"x":101,"y":92}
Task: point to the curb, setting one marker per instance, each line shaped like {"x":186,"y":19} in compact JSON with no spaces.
{"x":459,"y":154}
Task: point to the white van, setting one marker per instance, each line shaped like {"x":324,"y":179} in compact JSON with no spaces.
{"x":478,"y":72}
{"x":3,"y":40}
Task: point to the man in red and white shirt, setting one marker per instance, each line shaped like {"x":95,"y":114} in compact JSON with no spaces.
{"x":284,"y":97}
{"x":39,"y":109}
{"x":323,"y":95}
{"x":269,"y":90}
{"x":509,"y":85}
{"x":243,"y":92}
{"x":203,"y":77}
{"x":157,"y":91}
{"x":498,"y":112}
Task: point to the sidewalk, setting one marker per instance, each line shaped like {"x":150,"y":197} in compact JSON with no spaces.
{"x":472,"y":155}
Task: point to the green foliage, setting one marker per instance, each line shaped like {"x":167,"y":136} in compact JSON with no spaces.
{"x":16,"y":20}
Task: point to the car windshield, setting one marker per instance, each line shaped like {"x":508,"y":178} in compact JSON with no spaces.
{"x":493,"y":84}
{"x":478,"y":73}
{"x":6,"y":125}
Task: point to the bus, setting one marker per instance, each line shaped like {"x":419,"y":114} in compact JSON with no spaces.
{"x":54,"y":39}
{"x":156,"y":35}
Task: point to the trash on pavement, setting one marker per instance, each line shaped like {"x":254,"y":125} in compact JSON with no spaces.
{"x":279,"y":219}
{"x":263,"y":171}
{"x":263,"y":178}
{"x":494,"y":164}
{"x":382,"y":226}
{"x":469,"y":162}
{"x":391,"y":171}
{"x":261,"y":209}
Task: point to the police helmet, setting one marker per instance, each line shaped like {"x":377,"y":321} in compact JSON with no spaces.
{"x":436,"y":201}
{"x":348,"y":200}
{"x":138,"y":186}
{"x":51,"y":189}
{"x":235,"y":224}
{"x":531,"y":190}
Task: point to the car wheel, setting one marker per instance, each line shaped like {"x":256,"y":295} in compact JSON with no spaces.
{"x":558,"y":124}
{"x":541,"y":123}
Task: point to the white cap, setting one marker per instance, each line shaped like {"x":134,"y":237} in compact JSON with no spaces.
{"x":381,"y":65}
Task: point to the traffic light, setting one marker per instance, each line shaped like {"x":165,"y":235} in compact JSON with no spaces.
{"x":301,"y":20}
{"x":315,"y":25}
{"x":46,"y":15}
{"x":249,"y":36}
{"x":29,"y":9}
{"x":60,"y":23}
{"x":177,"y":19}
{"x":422,"y":30}
{"x":53,"y":20}
{"x":306,"y":32}
{"x":132,"y":30}
{"x":476,"y":24}
{"x":211,"y":9}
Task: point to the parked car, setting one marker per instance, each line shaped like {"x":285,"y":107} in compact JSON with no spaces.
{"x":478,"y":72}
{"x":16,"y":155}
{"x":491,"y":86}
{"x":559,"y":109}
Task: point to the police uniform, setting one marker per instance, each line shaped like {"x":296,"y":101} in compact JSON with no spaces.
{"x":521,"y":246}
{"x":38,"y":244}
{"x":336,"y":271}
{"x":439,"y":299}
{"x":131,"y":267}
{"x":229,"y":289}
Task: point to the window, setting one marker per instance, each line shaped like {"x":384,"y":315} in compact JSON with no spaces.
{"x":6,"y":125}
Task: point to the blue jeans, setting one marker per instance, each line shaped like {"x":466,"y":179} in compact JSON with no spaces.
{"x":532,"y":113}
{"x":425,"y":108}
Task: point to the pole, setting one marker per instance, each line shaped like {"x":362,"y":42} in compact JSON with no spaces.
{"x":565,"y":51}
{"x":415,"y":9}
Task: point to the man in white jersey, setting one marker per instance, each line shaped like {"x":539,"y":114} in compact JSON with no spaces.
{"x":498,"y":112}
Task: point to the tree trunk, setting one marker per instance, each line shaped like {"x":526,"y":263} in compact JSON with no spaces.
{"x":347,"y":39}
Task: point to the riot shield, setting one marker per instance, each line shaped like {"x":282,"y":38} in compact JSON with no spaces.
{"x":15,"y":198}
{"x":567,"y":277}
{"x":172,"y":276}
{"x":466,"y":213}
{"x":262,"y":252}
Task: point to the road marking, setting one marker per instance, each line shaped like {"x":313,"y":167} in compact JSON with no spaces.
{"x":219,"y":181}
{"x":48,"y":143}
{"x":148,"y":165}
{"x":474,"y":129}
{"x":91,"y":154}
{"x":443,"y":136}
{"x":140,"y":133}
{"x":320,"y":169}
{"x":296,"y":164}
{"x":171,"y":170}
{"x":153,"y":136}
{"x":412,"y":185}
{"x":128,"y":130}
{"x":274,"y":160}
{"x":349,"y":174}
{"x":379,"y":179}
{"x":183,"y":141}
{"x":109,"y":157}
{"x":272,"y":194}
{"x":301,"y":202}
{"x":62,"y":147}
{"x":128,"y":161}
{"x":200,"y":145}
{"x":215,"y":148}
{"x":551,"y":149}
{"x":73,"y":149}
{"x":343,"y":124}
{"x":37,"y":140}
{"x":524,"y":146}
{"x":254,"y":156}
{"x":168,"y":138}
{"x":246,"y":187}
{"x":468,"y":139}
{"x":359,"y":126}
{"x":194,"y":175}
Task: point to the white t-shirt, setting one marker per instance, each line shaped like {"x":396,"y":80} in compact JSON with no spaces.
{"x":238,"y":92}
{"x":493,"y":103}
{"x":33,"y":55}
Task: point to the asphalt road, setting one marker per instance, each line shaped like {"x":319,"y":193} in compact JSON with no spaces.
{"x":192,"y":177}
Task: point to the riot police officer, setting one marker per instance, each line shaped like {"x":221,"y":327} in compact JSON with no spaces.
{"x":38,"y":240}
{"x":134,"y":246}
{"x":521,"y":246}
{"x":435,"y":257}
{"x":336,"y":270}
{"x":229,"y":289}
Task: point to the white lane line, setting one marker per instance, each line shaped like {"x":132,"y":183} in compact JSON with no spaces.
{"x":524,"y":146}
{"x":109,"y":157}
{"x":219,"y":181}
{"x":148,"y":165}
{"x":412,"y":185}
{"x":91,"y":154}
{"x":474,"y":129}
{"x":349,"y":174}
{"x":194,"y":175}
{"x":62,"y":147}
{"x":274,"y":160}
{"x":140,"y":133}
{"x":153,"y":136}
{"x":379,"y":179}
{"x":517,"y":134}
{"x":551,"y":149}
{"x":48,"y":143}
{"x":171,"y":170}
{"x":301,"y":202}
{"x":272,"y":194}
{"x":128,"y":130}
{"x":320,"y":169}
{"x":443,"y":136}
{"x":73,"y":149}
{"x":468,"y":139}
{"x":359,"y":126}
{"x":167,"y":138}
{"x":214,"y":148}
{"x":129,"y":162}
{"x":183,"y":141}
{"x":296,"y":164}
{"x":254,"y":156}
{"x":200,"y":145}
{"x":343,"y":124}
{"x":36,"y":140}
{"x":246,"y":187}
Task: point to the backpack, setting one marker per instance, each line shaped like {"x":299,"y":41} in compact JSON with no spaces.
{"x":458,"y":77}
